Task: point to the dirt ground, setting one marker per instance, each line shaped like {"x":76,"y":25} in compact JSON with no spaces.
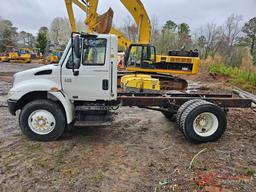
{"x":141,"y":151}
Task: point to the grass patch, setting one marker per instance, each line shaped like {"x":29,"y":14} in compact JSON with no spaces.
{"x":248,"y":171}
{"x":99,"y":176}
{"x":244,"y":78}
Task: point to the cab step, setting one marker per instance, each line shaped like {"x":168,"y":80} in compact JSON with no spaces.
{"x":92,"y":123}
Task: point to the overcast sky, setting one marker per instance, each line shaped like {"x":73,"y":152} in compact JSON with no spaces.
{"x":30,"y":15}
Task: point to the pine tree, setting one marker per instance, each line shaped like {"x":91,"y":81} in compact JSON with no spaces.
{"x":42,"y":39}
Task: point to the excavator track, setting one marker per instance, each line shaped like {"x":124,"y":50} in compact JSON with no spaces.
{"x":167,"y":82}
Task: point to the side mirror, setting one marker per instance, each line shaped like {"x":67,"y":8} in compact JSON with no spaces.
{"x":76,"y":46}
{"x":76,"y":53}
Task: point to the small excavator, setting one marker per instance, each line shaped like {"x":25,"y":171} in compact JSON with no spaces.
{"x":142,"y":69}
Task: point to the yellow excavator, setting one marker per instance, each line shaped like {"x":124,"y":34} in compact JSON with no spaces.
{"x":140,"y":58}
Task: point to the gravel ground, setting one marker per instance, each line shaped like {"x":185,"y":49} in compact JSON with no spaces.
{"x":141,"y":151}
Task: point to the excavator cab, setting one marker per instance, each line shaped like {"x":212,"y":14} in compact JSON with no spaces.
{"x":140,"y":56}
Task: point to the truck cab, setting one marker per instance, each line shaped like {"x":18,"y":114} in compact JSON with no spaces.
{"x":50,"y":97}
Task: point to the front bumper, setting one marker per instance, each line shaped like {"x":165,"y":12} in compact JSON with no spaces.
{"x":12,"y":106}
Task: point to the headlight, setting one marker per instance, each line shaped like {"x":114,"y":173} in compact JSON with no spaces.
{"x":10,"y":93}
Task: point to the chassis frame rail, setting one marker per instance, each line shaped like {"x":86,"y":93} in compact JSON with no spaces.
{"x":170,"y":100}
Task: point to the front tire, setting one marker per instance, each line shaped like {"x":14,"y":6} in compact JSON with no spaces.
{"x":42,"y":120}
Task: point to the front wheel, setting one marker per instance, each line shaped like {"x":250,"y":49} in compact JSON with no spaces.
{"x":42,"y":120}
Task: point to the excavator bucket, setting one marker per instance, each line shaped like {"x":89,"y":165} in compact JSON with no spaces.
{"x":104,"y":22}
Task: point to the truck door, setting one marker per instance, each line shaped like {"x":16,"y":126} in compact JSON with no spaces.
{"x":93,"y":81}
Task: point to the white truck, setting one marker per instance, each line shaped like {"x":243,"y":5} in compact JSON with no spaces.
{"x":82,"y":90}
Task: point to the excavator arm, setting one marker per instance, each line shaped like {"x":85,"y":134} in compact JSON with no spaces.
{"x":138,"y":12}
{"x":103,"y":23}
{"x":94,"y":21}
{"x":71,"y":16}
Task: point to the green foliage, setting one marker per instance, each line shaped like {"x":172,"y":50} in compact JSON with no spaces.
{"x":249,"y":30}
{"x":42,"y":39}
{"x":173,"y":37}
{"x":170,"y":26}
{"x":248,"y":171}
{"x":184,"y":36}
{"x":183,"y":28}
{"x":238,"y":76}
{"x":235,"y":58}
{"x":166,"y":41}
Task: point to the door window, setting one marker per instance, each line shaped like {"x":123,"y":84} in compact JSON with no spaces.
{"x":94,"y":52}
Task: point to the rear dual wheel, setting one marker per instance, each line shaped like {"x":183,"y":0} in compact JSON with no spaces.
{"x":182,"y":109}
{"x":202,"y":121}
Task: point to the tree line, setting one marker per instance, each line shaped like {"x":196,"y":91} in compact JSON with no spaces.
{"x":231,"y":40}
{"x":57,"y":35}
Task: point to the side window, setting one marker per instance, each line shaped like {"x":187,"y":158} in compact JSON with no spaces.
{"x":152,"y":53}
{"x":94,"y":52}
{"x":148,"y":53}
{"x":69,"y":64}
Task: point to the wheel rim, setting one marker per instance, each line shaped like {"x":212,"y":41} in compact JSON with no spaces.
{"x":41,"y":122}
{"x":205,"y":124}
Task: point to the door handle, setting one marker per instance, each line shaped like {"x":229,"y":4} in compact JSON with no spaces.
{"x":105,"y":84}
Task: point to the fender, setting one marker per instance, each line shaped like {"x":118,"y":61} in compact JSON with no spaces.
{"x":27,"y":86}
{"x":35,"y":85}
{"x":67,"y":105}
{"x":24,"y":87}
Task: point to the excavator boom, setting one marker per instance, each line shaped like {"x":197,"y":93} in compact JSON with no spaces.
{"x":94,"y":21}
{"x":138,"y":12}
{"x":103,"y":23}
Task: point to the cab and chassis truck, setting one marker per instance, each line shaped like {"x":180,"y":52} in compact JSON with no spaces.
{"x":82,"y":90}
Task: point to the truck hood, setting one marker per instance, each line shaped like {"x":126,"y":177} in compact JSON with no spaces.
{"x":47,"y":72}
{"x":37,"y":70}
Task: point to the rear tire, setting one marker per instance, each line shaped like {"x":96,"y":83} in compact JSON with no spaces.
{"x":42,"y":120}
{"x":203,"y":122}
{"x":182,"y":109}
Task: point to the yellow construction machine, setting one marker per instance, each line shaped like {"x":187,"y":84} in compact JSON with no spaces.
{"x":54,"y":56}
{"x":140,"y":83}
{"x":140,"y":57}
{"x":9,"y":54}
{"x":24,"y":56}
{"x":16,"y":55}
